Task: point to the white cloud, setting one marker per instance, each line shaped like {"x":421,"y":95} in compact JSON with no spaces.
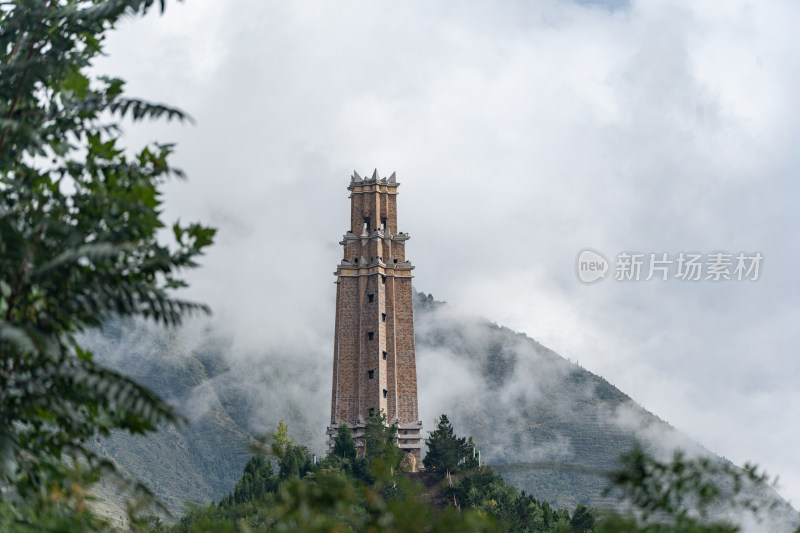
{"x":522,"y":133}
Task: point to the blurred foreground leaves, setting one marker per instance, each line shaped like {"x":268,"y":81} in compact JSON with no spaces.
{"x":80,"y":241}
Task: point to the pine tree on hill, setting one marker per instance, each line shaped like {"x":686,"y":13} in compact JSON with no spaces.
{"x":380,"y":440}
{"x":257,"y":480}
{"x":344,"y":446}
{"x":445,"y":449}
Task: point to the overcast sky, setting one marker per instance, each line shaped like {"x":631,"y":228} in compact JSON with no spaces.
{"x":522,"y":133}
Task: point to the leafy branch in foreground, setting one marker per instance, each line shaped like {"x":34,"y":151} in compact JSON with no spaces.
{"x":80,"y":221}
{"x":687,"y":494}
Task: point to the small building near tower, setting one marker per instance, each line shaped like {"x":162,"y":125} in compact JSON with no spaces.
{"x":374,"y":364}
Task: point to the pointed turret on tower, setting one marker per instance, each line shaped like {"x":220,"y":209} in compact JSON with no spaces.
{"x":374,"y":364}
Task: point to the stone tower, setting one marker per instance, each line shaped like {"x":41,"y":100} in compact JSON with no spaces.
{"x":374,"y":366}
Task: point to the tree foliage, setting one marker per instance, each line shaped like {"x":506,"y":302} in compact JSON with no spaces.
{"x":334,"y":496}
{"x":378,"y":454}
{"x":380,"y":440}
{"x":678,"y":496}
{"x":344,"y":446}
{"x":478,"y":488}
{"x":697,"y":495}
{"x":80,"y":241}
{"x":258,"y":480}
{"x":445,"y":449}
{"x":583,"y":519}
{"x":281,"y":442}
{"x":293,"y":461}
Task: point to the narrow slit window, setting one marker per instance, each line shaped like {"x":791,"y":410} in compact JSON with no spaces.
{"x":383,"y":317}
{"x":370,"y":298}
{"x":371,"y":374}
{"x":383,"y":279}
{"x":371,"y":411}
{"x":366,"y":223}
{"x":385,"y":393}
{"x":384,"y":356}
{"x":370,"y":335}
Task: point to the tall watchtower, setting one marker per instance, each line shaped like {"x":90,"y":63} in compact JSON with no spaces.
{"x":374,"y":366}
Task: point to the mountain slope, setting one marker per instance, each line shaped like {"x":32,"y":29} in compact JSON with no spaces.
{"x":525,"y":406}
{"x":529,"y":405}
{"x":198,"y":461}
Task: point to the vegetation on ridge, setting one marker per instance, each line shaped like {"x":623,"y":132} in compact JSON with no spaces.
{"x":347,"y":492}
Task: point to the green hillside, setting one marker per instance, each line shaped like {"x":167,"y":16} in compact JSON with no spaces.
{"x":526,"y":407}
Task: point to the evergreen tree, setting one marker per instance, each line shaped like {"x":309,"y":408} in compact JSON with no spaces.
{"x":344,"y":446}
{"x":296,"y":462}
{"x":380,"y":440}
{"x":547,"y":514}
{"x":293,"y":461}
{"x":445,"y":449}
{"x":257,"y":480}
{"x":582,"y":519}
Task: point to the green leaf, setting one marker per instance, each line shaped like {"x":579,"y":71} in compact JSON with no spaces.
{"x":76,"y":83}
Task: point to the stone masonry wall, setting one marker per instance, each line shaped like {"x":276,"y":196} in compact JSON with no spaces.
{"x":406,"y":358}
{"x":374,"y":367}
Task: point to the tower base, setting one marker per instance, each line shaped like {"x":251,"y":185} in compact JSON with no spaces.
{"x":409,"y":438}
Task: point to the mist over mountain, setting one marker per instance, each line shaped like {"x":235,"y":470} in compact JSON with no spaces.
{"x":551,"y":427}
